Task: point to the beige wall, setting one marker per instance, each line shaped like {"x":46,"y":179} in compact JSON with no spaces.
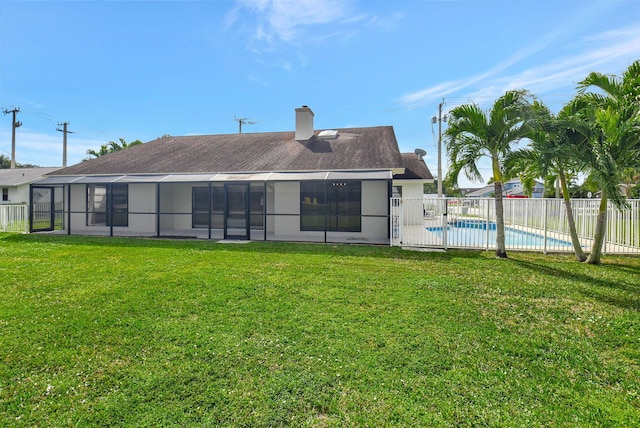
{"x":286,"y":200}
{"x":142,"y":207}
{"x":175,"y":198}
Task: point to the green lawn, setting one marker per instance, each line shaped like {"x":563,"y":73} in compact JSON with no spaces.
{"x":134,"y":332}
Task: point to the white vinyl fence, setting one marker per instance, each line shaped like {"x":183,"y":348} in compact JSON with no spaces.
{"x":14,"y":218}
{"x":530,"y":224}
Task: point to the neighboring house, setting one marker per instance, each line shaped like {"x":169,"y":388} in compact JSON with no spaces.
{"x":302,"y":185}
{"x":14,"y":183}
{"x":512,"y":188}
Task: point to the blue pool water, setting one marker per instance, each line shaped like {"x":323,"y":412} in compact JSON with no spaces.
{"x":473,"y":233}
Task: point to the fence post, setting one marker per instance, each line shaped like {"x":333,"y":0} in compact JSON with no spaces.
{"x":487,"y":223}
{"x":392,"y":213}
{"x":544,"y":225}
{"x":445,"y":223}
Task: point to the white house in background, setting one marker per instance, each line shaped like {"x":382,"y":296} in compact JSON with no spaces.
{"x":309,"y":185}
{"x":512,"y":188}
{"x":14,"y":183}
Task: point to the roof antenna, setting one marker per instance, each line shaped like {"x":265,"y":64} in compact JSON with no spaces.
{"x":242,"y":121}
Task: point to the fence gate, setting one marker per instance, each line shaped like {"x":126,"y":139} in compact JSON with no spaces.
{"x":43,"y":208}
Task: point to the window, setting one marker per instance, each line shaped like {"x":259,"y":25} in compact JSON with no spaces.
{"x":108,"y":205}
{"x":256,"y":206}
{"x":201,"y":199}
{"x":119,"y":205}
{"x":333,"y":206}
{"x":312,"y":205}
{"x":200,"y":210}
{"x":5,"y":194}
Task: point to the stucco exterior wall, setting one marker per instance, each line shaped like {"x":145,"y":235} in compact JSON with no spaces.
{"x":78,"y":207}
{"x":286,"y":203}
{"x":17,"y":194}
{"x":142,"y":207}
{"x":175,"y":205}
{"x":411,"y":189}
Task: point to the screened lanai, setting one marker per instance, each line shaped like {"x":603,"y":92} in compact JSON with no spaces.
{"x":313,"y":206}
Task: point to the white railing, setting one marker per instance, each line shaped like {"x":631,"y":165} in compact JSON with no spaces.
{"x":530,"y":224}
{"x":14,"y":218}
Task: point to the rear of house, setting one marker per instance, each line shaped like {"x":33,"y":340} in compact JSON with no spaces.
{"x":302,"y":185}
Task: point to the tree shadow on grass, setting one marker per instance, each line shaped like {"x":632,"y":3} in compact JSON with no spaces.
{"x":623,"y":292}
{"x":626,"y":268}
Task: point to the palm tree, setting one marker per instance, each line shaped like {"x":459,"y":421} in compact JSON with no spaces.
{"x":550,"y":155}
{"x":111,"y":147}
{"x":474,"y":134}
{"x":614,"y":112}
{"x":631,"y":177}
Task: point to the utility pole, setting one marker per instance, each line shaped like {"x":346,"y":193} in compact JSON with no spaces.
{"x":14,"y":125}
{"x":64,"y":131}
{"x":242,"y":121}
{"x":439,"y":119}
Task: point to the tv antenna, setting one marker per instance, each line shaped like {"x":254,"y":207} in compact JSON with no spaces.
{"x":243,"y":121}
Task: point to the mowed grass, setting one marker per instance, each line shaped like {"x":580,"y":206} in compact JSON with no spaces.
{"x":134,"y":332}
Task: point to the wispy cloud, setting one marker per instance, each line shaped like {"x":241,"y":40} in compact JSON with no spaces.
{"x":609,"y":51}
{"x":284,"y":20}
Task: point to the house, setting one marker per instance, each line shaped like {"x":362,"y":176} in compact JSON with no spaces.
{"x":302,"y":185}
{"x":15,"y":182}
{"x":512,"y":188}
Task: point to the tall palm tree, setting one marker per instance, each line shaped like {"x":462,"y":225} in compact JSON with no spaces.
{"x":474,"y":134}
{"x":614,"y":112}
{"x":550,"y":155}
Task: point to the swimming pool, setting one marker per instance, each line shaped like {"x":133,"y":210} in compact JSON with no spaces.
{"x":473,"y":233}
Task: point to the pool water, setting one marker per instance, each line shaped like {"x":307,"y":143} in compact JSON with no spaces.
{"x":466,"y":233}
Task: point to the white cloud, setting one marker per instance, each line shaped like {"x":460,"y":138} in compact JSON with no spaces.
{"x":610,"y":52}
{"x":286,"y":20}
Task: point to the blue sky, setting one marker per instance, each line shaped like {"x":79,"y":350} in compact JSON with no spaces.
{"x":141,"y":69}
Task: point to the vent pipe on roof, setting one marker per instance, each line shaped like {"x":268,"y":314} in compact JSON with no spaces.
{"x":304,"y":123}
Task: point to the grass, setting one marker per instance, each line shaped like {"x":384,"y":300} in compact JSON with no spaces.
{"x":135,"y":332}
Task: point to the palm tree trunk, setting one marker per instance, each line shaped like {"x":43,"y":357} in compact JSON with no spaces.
{"x":598,"y":239}
{"x":580,"y":255}
{"x":501,"y":250}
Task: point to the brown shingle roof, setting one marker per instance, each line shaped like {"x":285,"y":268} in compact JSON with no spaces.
{"x":353,"y":149}
{"x":415,"y":168}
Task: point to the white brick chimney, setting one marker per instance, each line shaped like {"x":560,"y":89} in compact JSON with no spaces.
{"x":304,"y":123}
